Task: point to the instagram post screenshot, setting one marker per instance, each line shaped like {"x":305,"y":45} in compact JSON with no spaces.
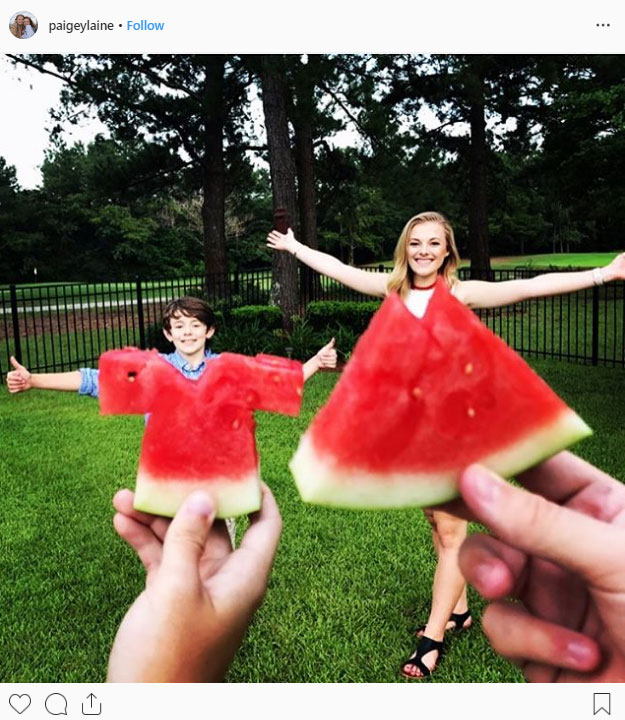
{"x":312,"y":360}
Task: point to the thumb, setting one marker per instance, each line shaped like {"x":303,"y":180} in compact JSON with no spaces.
{"x":15,"y":364}
{"x":186,"y":537}
{"x":539,"y":527}
{"x":330,"y":345}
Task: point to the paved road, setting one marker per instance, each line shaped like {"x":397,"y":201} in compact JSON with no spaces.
{"x":92,"y":305}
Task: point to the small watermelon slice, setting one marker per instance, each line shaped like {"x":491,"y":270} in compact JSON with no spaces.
{"x":200,"y":434}
{"x":419,"y":400}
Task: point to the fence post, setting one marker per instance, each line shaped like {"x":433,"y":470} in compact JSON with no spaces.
{"x":595,"y":325}
{"x":16,"y":327}
{"x":140,"y":315}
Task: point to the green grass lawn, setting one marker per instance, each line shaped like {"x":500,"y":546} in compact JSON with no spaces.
{"x":347,"y":587}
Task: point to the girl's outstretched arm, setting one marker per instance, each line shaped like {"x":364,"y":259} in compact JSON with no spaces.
{"x":479,"y":294}
{"x":369,"y":283}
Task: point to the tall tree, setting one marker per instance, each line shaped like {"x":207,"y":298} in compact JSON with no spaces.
{"x":180,"y":102}
{"x":466,"y":91}
{"x":282,"y":167}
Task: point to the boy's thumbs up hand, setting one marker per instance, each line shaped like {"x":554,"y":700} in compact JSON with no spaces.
{"x":327,"y":355}
{"x":18,"y":379}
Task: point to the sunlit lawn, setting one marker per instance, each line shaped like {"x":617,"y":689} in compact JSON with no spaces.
{"x":347,"y":587}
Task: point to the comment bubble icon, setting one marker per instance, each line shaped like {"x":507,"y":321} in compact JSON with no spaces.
{"x":56,"y":704}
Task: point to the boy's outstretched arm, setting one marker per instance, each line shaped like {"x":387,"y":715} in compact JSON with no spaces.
{"x":325,"y":358}
{"x":20,"y":379}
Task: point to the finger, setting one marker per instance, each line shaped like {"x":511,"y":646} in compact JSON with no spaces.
{"x":537,"y":526}
{"x":260,"y":542}
{"x":187,"y":536}
{"x":217,"y":549}
{"x":15,"y":364}
{"x":564,"y":475}
{"x":123,"y":503}
{"x":514,"y":633}
{"x":495,"y":569}
{"x":330,"y":345}
{"x":141,"y":539}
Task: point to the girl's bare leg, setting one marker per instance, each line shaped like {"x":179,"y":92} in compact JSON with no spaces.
{"x":449,"y":587}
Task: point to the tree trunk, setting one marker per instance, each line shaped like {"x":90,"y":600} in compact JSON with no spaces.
{"x":302,"y":116}
{"x":307,"y":195}
{"x":284,"y":290}
{"x":478,"y":217}
{"x":213,"y":177}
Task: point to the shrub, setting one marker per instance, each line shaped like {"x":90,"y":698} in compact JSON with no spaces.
{"x":345,"y":338}
{"x":325,"y":314}
{"x":154,"y":338}
{"x":268,"y":316}
{"x":303,"y":339}
{"x":247,"y":338}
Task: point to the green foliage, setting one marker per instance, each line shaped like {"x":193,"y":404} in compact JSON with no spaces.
{"x":247,"y":338}
{"x":346,"y":338}
{"x":304,"y":340}
{"x":154,"y":338}
{"x":327,"y":314}
{"x":268,"y":316}
{"x":128,"y":204}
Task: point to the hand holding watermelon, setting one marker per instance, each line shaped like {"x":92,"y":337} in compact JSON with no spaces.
{"x":200,"y":595}
{"x":561,"y":555}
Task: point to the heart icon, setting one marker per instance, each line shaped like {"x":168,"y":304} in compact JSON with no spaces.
{"x":19,"y":703}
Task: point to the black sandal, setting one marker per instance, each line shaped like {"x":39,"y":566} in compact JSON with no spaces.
{"x":425,"y":646}
{"x":458,"y":619}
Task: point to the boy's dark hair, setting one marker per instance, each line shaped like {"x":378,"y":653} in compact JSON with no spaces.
{"x":191,"y":307}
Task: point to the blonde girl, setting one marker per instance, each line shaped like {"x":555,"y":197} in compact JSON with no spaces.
{"x":426,"y":249}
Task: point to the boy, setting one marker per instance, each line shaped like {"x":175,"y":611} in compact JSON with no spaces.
{"x":188,"y":323}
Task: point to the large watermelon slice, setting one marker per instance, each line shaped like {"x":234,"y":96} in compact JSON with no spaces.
{"x":200,"y":434}
{"x":419,"y":400}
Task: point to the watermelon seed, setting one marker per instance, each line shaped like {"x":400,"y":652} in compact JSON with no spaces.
{"x":417,"y":392}
{"x":277,"y":379}
{"x":131,"y":376}
{"x":236,"y":424}
{"x":468,"y":368}
{"x":471,"y":412}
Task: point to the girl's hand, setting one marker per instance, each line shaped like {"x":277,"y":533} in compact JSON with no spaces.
{"x":278,"y":241}
{"x":616,"y":269}
{"x":18,"y":379}
{"x":327,"y":355}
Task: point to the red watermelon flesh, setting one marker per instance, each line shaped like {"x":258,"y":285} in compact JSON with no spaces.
{"x":200,"y":433}
{"x":419,"y":400}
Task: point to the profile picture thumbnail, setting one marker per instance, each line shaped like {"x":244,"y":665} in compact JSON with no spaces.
{"x":23,"y":25}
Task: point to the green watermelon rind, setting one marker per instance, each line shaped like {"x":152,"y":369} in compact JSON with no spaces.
{"x":321,"y":482}
{"x":163,"y":497}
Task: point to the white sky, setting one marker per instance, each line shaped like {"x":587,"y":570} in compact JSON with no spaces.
{"x":25,"y":122}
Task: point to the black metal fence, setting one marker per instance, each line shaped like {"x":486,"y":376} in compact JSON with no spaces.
{"x":61,"y":326}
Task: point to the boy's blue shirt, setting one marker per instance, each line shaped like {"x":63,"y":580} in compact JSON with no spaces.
{"x":89,"y":377}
